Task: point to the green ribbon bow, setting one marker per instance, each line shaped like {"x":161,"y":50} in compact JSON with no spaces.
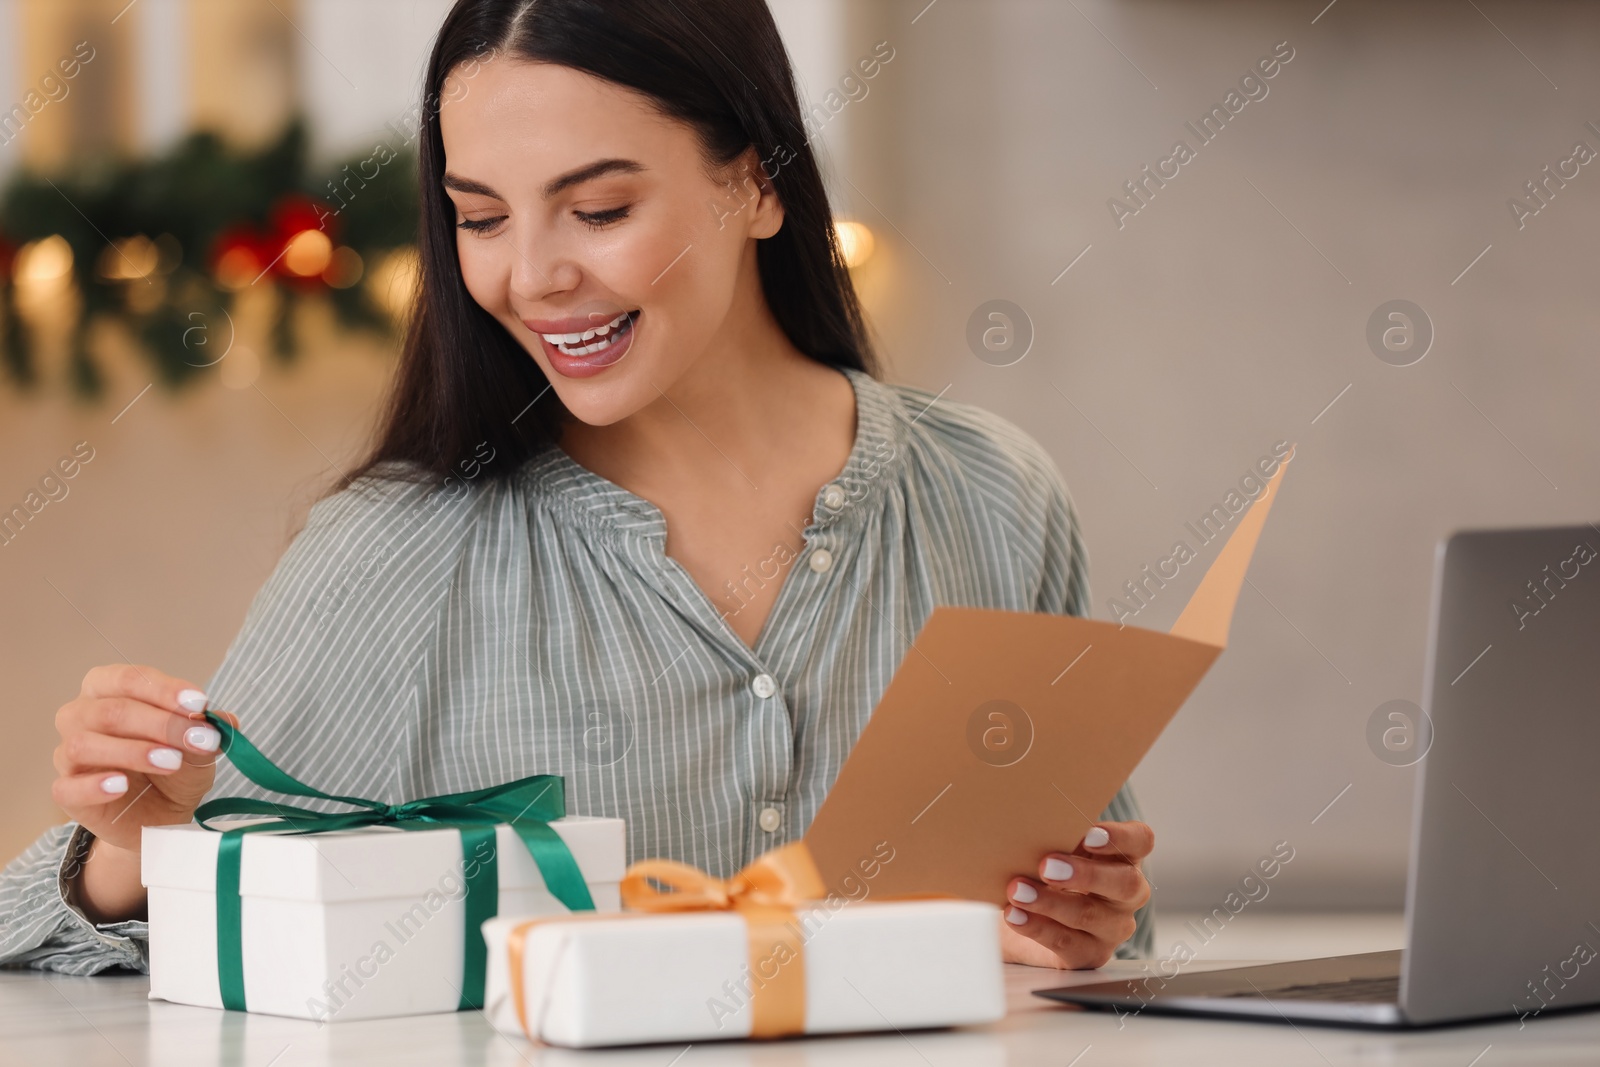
{"x":527,"y":804}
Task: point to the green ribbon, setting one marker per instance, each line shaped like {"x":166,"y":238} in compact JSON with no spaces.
{"x":529,"y":805}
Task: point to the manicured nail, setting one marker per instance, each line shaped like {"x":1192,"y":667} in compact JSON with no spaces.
{"x":1096,"y":837}
{"x":1016,"y":916}
{"x":1057,"y":870}
{"x":1024,"y":893}
{"x":204,"y":738}
{"x":192,"y":700}
{"x":168,"y":759}
{"x":114,"y":784}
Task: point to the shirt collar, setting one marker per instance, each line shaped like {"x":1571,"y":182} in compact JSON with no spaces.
{"x":605,"y":508}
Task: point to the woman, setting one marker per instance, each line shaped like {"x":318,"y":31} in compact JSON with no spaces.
{"x":638,"y":513}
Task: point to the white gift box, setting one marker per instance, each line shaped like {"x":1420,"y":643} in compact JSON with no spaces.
{"x":356,"y":924}
{"x":686,"y":977}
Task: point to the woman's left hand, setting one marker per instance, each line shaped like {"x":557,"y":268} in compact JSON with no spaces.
{"x":1080,"y":908}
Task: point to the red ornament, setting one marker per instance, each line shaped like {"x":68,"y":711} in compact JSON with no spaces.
{"x":292,"y":216}
{"x":240,"y":254}
{"x":295,"y":212}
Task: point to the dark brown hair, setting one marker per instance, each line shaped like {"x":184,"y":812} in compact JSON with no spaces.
{"x":462,"y":380}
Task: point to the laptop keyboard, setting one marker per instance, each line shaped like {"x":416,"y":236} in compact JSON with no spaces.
{"x":1354,"y":990}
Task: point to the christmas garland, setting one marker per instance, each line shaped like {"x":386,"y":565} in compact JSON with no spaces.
{"x":165,"y":244}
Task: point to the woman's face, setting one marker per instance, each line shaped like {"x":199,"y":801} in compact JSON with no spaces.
{"x":580,"y":208}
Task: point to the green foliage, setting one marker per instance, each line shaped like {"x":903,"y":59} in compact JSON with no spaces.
{"x":200,"y":192}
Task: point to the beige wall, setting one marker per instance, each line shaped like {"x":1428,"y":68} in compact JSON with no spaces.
{"x":1189,"y":341}
{"x":243,"y":74}
{"x":90,"y":111}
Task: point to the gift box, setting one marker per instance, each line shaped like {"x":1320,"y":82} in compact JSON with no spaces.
{"x":351,"y":924}
{"x":367,"y":912}
{"x":738,"y":962}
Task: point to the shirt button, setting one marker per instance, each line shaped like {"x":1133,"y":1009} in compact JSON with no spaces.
{"x":770,"y":819}
{"x":832,"y":496}
{"x":763,"y":686}
{"x":821,"y":559}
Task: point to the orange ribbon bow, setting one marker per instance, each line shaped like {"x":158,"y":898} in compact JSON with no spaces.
{"x":765,"y":894}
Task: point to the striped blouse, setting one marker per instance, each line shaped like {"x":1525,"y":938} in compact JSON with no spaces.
{"x":423,"y":639}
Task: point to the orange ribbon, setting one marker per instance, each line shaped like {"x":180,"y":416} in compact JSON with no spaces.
{"x":765,"y":894}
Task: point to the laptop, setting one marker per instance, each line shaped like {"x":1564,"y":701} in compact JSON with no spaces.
{"x":1503,"y":892}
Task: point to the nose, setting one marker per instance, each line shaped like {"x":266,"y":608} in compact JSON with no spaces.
{"x":540,"y":266}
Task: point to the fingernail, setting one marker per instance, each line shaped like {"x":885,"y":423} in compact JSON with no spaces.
{"x":192,"y":700}
{"x":1024,"y":893}
{"x":114,"y":783}
{"x":1057,"y":870}
{"x":168,"y":759}
{"x":1016,"y":916}
{"x":1096,"y":837}
{"x":204,"y":738}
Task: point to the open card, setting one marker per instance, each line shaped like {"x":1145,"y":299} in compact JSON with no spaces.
{"x":1004,"y":734}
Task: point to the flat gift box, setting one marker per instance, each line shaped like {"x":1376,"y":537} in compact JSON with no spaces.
{"x":353,"y":924}
{"x":689,"y":976}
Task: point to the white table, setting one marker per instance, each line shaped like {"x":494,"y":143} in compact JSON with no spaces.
{"x":106,"y":1020}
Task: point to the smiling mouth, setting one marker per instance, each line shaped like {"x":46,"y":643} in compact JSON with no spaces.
{"x":594,"y":342}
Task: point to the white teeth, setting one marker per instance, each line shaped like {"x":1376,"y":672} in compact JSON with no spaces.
{"x":601,"y":337}
{"x":587,"y":335}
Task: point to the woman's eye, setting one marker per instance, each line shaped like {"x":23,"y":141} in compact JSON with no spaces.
{"x":481,"y":225}
{"x":597,"y":219}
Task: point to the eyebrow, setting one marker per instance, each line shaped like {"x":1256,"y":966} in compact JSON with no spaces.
{"x":598,"y":169}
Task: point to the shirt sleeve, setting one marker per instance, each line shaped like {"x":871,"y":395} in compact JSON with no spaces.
{"x":41,"y":928}
{"x":1064,"y":590}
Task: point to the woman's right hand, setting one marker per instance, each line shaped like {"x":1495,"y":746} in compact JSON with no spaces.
{"x":135,"y":752}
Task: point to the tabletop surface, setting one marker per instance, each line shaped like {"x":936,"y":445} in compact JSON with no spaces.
{"x":86,"y":1022}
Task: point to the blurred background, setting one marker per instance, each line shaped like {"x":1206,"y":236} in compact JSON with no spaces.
{"x":1382,"y":251}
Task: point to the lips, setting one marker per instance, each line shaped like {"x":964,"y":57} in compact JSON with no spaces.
{"x":585,"y":356}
